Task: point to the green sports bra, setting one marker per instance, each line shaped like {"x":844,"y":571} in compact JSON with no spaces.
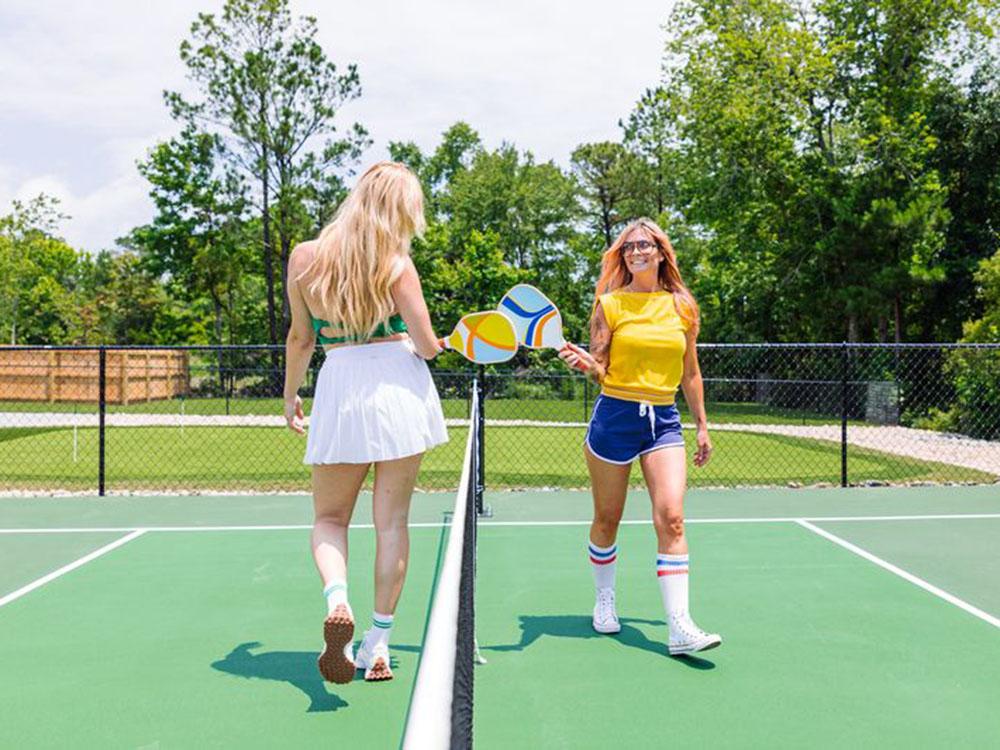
{"x":396,"y":325}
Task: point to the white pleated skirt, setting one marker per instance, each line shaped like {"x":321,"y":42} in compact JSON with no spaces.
{"x":373,"y":402}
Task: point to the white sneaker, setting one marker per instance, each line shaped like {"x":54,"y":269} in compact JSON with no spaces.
{"x":605,"y":617}
{"x":687,"y":638}
{"x":374,"y":660}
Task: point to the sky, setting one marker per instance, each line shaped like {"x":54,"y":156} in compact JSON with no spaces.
{"x":81,"y":100}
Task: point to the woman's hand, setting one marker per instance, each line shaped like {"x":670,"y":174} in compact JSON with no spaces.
{"x":577,"y":358}
{"x":294,"y":415}
{"x":704,"y":451}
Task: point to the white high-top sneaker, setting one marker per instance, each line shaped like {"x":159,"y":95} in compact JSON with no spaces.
{"x":374,"y":660}
{"x":687,"y":638}
{"x":605,"y":617}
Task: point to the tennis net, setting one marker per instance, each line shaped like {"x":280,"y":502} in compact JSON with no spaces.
{"x":440,"y":713}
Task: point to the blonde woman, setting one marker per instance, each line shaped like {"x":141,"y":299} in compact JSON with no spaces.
{"x":356,"y":291}
{"x":642,"y":347}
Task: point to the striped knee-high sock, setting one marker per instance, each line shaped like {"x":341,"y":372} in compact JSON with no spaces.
{"x":672,"y":573}
{"x":604,"y":561}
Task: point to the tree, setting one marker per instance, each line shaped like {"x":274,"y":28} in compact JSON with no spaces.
{"x":965,"y":120}
{"x":531,"y":207}
{"x":803,"y":155}
{"x":647,"y":134}
{"x":606,"y":173}
{"x":459,"y":144}
{"x":196,"y":239}
{"x":33,"y":260}
{"x":269,"y":93}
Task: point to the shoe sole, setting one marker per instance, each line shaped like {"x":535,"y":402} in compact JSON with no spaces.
{"x":378,"y":672}
{"x":607,"y":630}
{"x":692,"y":648}
{"x":338,"y":631}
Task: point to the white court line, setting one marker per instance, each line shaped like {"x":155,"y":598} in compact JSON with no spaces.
{"x":136,"y":533}
{"x":486,"y":523}
{"x":906,"y":576}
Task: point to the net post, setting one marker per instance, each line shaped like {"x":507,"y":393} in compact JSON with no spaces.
{"x":479,"y":383}
{"x":102,"y":408}
{"x":844,"y":362}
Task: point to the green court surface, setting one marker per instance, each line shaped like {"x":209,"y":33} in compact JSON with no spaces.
{"x":850,"y":618}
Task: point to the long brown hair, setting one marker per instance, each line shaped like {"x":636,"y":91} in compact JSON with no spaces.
{"x":615,"y":273}
{"x":358,"y":254}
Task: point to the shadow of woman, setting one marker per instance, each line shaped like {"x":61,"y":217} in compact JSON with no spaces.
{"x":297,"y":668}
{"x":534,"y":627}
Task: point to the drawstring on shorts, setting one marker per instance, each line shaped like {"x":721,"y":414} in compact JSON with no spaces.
{"x":646,"y":409}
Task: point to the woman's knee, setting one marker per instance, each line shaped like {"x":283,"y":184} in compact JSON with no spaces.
{"x":392,"y":525}
{"x":607,"y":519}
{"x":669,"y":524}
{"x":333,"y":517}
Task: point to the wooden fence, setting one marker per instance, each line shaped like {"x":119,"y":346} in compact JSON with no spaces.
{"x":73,"y":375}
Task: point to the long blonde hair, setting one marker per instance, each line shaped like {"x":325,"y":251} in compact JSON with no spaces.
{"x":615,"y":273}
{"x":359,"y":252}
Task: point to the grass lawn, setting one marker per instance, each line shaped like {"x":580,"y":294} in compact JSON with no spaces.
{"x":539,"y":410}
{"x":259,"y":459}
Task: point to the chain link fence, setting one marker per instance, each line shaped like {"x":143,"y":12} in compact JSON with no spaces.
{"x":188,"y":419}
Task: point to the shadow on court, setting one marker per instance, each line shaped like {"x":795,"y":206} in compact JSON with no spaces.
{"x":297,"y":668}
{"x":534,"y":627}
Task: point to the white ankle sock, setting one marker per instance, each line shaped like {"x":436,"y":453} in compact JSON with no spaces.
{"x":672,"y":573}
{"x":380,"y":631}
{"x":603,"y":560}
{"x":335,"y":593}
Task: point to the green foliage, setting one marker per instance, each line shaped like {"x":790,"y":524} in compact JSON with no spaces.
{"x":799,"y":148}
{"x":39,"y":275}
{"x":497,"y":218}
{"x":269,"y":96}
{"x":608,"y":180}
{"x":825,"y":171}
{"x":975,"y":373}
{"x":198,"y":242}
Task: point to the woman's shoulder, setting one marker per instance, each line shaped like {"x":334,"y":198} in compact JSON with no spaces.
{"x":302,"y":256}
{"x":304,"y":252}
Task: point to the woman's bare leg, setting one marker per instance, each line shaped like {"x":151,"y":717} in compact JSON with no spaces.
{"x":335,"y":492}
{"x":394,"y":482}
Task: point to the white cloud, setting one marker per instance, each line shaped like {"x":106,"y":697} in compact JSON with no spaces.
{"x":98,"y":217}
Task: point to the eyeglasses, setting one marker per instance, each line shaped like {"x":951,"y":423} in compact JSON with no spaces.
{"x":641,"y":246}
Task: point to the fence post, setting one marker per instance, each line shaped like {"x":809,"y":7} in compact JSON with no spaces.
{"x":102,"y":402}
{"x":844,"y":362}
{"x":225,"y":356}
{"x":480,"y":428}
{"x":586,"y":397}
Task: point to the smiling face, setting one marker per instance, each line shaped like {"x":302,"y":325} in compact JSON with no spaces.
{"x":641,"y":253}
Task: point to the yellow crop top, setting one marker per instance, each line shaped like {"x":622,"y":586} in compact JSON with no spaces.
{"x":648,"y":343}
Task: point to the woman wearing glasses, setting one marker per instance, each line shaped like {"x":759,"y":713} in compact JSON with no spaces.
{"x":642,"y":347}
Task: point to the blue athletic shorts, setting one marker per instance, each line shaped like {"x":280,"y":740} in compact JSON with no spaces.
{"x":620,"y":431}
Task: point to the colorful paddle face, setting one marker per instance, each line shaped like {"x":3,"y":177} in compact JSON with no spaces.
{"x":536,"y":320}
{"x":485,"y":338}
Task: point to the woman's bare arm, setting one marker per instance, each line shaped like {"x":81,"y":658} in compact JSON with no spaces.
{"x":600,"y":344}
{"x":694,"y":395}
{"x":595,"y":362}
{"x":408,"y":295}
{"x":300,"y":342}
